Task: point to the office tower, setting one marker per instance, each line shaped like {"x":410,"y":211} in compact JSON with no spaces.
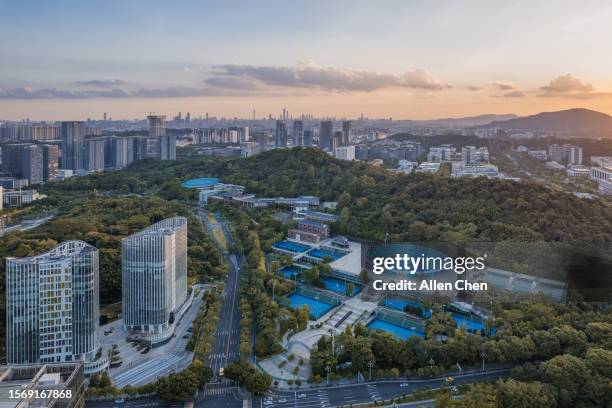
{"x":23,"y":161}
{"x":104,"y":116}
{"x":167,"y":147}
{"x":51,"y":154}
{"x":52,"y":305}
{"x":280,"y":134}
{"x":73,"y":135}
{"x":94,"y":154}
{"x":308,"y":137}
{"x":347,"y":133}
{"x":157,"y":129}
{"x":574,"y":154}
{"x":140,"y":145}
{"x":326,"y":135}
{"x":116,"y":154}
{"x":336,"y":140}
{"x":32,"y":164}
{"x":154,"y":273}
{"x":298,"y":133}
{"x":188,"y":117}
{"x":262,"y":140}
{"x":471,"y":154}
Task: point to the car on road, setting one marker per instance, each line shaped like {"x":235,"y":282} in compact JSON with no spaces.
{"x":268,"y":402}
{"x":282,"y":400}
{"x":404,"y":385}
{"x":449,"y":379}
{"x":119,"y":401}
{"x":221,"y":372}
{"x":301,"y":396}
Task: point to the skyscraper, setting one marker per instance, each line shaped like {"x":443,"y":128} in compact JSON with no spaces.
{"x":326,"y":135}
{"x":166,"y":146}
{"x":298,"y":133}
{"x":308,"y":137}
{"x":154,"y":271}
{"x":52,"y":305}
{"x":51,"y":156}
{"x":94,"y":154}
{"x":337,"y":140}
{"x":280,"y":134}
{"x":347,"y":133}
{"x":157,"y":129}
{"x":24,"y":161}
{"x":72,"y":134}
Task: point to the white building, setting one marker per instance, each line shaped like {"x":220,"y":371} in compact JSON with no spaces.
{"x":154,"y":272}
{"x":53,"y":306}
{"x":441,"y":153}
{"x":605,"y":186}
{"x":602,"y":161}
{"x":566,"y":153}
{"x":428,"y":167}
{"x":601,"y":173}
{"x":578,"y":171}
{"x":553,"y":165}
{"x":345,"y":152}
{"x":471,"y":154}
{"x":474,"y":170}
{"x":538,"y":154}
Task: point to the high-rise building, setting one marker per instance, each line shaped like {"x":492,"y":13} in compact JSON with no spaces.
{"x":280,"y":134}
{"x":166,"y":147}
{"x":32,"y":164}
{"x":51,"y":154}
{"x":337,"y":140}
{"x":140,"y":146}
{"x":298,"y":133}
{"x":73,"y":135}
{"x":53,"y":305}
{"x":94,"y":154}
{"x":262,"y":140}
{"x":326,"y":135}
{"x":471,"y":154}
{"x":565,"y":154}
{"x":157,"y":129}
{"x":154,"y":278}
{"x":117,"y":152}
{"x":347,"y":133}
{"x":23,"y":161}
{"x":308,"y":137}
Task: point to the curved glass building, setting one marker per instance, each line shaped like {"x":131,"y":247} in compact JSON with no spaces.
{"x":53,"y":305}
{"x":154,"y":277}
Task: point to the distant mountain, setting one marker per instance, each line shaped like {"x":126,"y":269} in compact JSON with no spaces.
{"x":578,"y":121}
{"x":468,"y":121}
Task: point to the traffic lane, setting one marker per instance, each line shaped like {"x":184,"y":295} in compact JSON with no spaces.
{"x":133,"y":403}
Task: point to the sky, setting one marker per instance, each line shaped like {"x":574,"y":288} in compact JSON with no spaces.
{"x":68,"y":60}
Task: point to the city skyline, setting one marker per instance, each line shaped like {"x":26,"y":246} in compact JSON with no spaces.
{"x":406,"y":61}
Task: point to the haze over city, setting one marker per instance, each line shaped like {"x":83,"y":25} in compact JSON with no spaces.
{"x":406,"y":60}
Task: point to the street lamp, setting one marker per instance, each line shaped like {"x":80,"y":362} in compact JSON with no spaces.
{"x":328,"y":369}
{"x":431,"y":364}
{"x":483,"y":354}
{"x":370,"y":365}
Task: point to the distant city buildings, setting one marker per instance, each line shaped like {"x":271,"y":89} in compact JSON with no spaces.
{"x":428,"y":167}
{"x":347,"y":133}
{"x":280,"y":134}
{"x":157,"y":129}
{"x":298,"y":133}
{"x":326,"y":135}
{"x":538,"y":154}
{"x":73,"y":144}
{"x":52,"y":305}
{"x":443,"y":153}
{"x":154,"y":279}
{"x":345,"y":152}
{"x":471,"y":155}
{"x":565,"y":154}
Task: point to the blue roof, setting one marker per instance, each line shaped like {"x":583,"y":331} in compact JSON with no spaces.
{"x":200,"y":182}
{"x":313,"y":223}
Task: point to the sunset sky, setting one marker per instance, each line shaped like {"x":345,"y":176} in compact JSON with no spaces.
{"x":405,"y":59}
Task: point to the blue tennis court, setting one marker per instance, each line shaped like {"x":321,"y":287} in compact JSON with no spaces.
{"x":202,"y":182}
{"x":290,"y":272}
{"x":467,"y":323}
{"x":401,"y":333}
{"x":400,"y":304}
{"x":316,"y":308}
{"x":291,"y":246}
{"x":322,"y":253}
{"x":340,"y":286}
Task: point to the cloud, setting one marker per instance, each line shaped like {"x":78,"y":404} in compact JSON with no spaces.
{"x":100,"y":83}
{"x":568,"y":86}
{"x":494,"y":86}
{"x":514,"y":94}
{"x":308,"y":74}
{"x":57,"y":93}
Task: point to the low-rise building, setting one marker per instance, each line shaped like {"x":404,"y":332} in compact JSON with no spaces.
{"x":605,"y":186}
{"x":50,"y":385}
{"x":578,"y":171}
{"x":18,"y":198}
{"x":309,"y":231}
{"x":553,"y":165}
{"x":475,"y":170}
{"x":538,"y":154}
{"x":428,"y":167}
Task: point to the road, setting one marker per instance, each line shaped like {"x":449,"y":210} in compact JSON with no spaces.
{"x":139,"y":369}
{"x":134,"y":403}
{"x":360,"y":393}
{"x":220,"y":392}
{"x":26,"y":225}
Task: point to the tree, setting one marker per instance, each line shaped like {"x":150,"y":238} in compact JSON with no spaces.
{"x":526,"y":394}
{"x":567,"y":374}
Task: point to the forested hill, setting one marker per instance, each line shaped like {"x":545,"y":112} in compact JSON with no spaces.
{"x":373,"y":201}
{"x":426,"y":207}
